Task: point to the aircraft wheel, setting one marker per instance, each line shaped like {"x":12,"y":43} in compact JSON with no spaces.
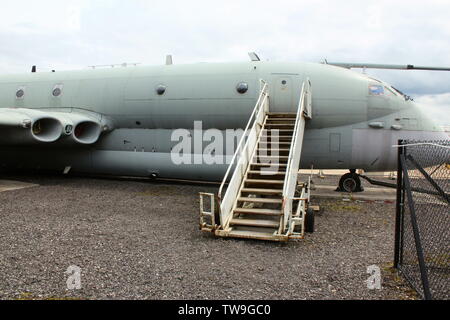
{"x":309,"y":220}
{"x":350,"y":182}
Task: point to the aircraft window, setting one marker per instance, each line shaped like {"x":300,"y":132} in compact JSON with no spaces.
{"x":161,"y":89}
{"x":283,"y":82}
{"x":376,"y":90}
{"x":242,"y":87}
{"x":56,"y":92}
{"x":20,"y":93}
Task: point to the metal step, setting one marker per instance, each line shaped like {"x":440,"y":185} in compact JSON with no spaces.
{"x":278,"y":138}
{"x":264,"y":181}
{"x":276,"y":156}
{"x":264,"y":212}
{"x":260,"y":174}
{"x":281,"y":143}
{"x":255,"y":235}
{"x":255,"y":223}
{"x":266,"y":165}
{"x":272,"y":115}
{"x":267,"y":173}
{"x":267,"y":135}
{"x":281,"y":126}
{"x":280,"y":120}
{"x":284,"y":131}
{"x":272,"y":150}
{"x":260,"y":200}
{"x":262,"y":191}
{"x":272,"y":159}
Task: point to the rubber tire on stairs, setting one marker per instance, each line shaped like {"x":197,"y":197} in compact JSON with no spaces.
{"x":309,"y":222}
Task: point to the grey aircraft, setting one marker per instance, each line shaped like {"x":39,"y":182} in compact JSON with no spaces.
{"x":120,"y":121}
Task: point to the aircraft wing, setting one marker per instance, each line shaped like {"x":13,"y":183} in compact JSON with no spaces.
{"x":22,"y":126}
{"x":13,"y":119}
{"x":350,"y":65}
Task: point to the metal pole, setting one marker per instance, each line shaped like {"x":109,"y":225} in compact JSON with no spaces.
{"x":415,"y":228}
{"x":399,"y":205}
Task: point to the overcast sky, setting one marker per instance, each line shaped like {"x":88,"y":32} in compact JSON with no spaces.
{"x":73,"y":34}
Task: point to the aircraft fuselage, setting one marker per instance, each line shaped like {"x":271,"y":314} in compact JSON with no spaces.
{"x":353,"y":125}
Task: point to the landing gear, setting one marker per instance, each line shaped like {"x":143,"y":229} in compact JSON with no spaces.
{"x":350,"y":182}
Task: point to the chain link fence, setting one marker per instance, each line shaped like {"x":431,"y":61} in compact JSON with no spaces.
{"x":423,"y":217}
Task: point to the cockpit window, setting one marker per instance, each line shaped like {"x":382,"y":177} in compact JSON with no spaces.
{"x":390,"y":91}
{"x":376,"y":90}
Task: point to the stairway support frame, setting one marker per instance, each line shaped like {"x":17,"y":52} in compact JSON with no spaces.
{"x":238,"y":169}
{"x":291,"y":179}
{"x":205,"y":215}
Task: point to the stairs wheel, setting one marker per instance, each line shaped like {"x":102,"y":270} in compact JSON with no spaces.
{"x":217,"y":217}
{"x":309,"y":220}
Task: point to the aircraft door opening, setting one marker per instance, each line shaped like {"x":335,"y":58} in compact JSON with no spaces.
{"x":282,"y":95}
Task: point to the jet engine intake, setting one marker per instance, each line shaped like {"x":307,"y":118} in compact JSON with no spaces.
{"x":46,"y":129}
{"x":87,"y":132}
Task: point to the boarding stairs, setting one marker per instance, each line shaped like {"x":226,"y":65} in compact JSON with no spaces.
{"x":263,"y":199}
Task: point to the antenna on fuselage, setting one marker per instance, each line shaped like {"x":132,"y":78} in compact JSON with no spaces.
{"x":123,"y":65}
{"x":169,"y":60}
{"x":254,"y":56}
{"x":33,"y":69}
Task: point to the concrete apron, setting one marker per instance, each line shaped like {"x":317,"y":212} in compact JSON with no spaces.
{"x":9,"y":185}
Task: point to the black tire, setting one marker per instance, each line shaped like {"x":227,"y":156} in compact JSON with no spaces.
{"x":217,"y":216}
{"x":309,"y":220}
{"x":350,"y":182}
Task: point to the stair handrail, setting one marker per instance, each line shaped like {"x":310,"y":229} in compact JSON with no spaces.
{"x":243,"y":143}
{"x":290,"y":181}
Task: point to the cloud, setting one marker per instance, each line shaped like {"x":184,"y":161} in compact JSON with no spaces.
{"x":29,"y":18}
{"x":73,"y":34}
{"x":437,"y":106}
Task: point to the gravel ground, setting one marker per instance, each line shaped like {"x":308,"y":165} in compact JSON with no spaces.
{"x":140,"y":240}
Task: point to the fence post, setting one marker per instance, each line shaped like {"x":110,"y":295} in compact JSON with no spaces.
{"x":415,"y":228}
{"x":399,"y":206}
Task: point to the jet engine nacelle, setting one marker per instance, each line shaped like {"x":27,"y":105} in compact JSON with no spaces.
{"x":30,"y":126}
{"x":79,"y":128}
